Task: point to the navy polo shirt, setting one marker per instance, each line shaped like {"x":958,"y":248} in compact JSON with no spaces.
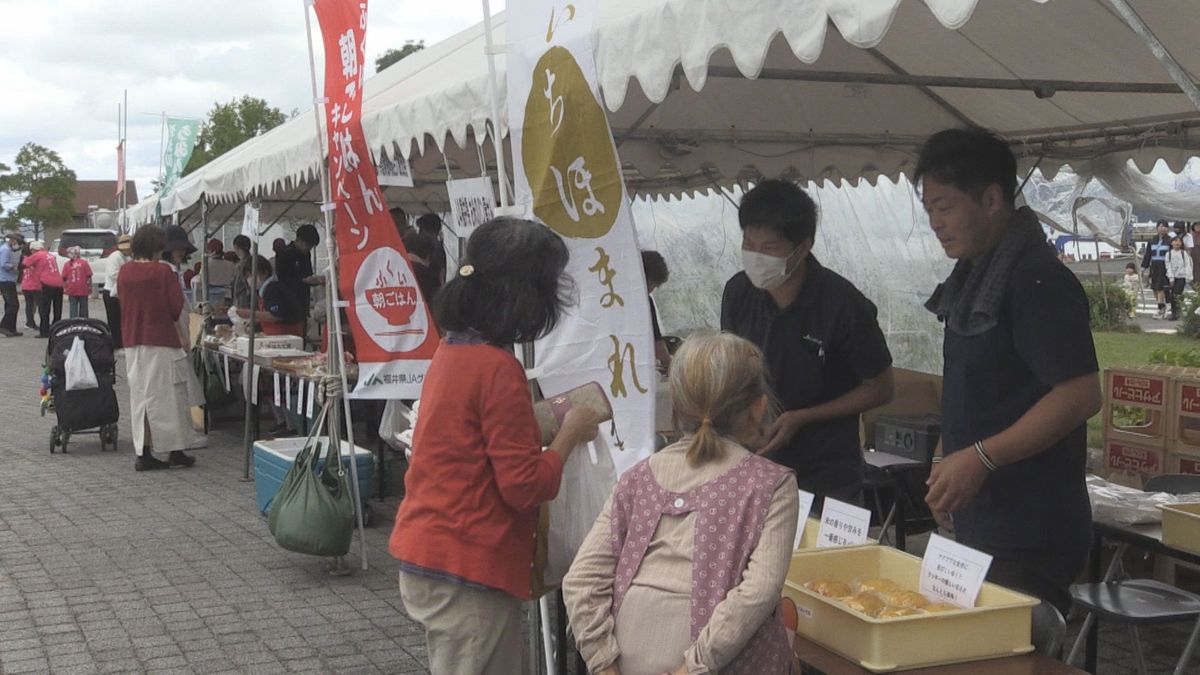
{"x":819,"y":348}
{"x":993,"y":379}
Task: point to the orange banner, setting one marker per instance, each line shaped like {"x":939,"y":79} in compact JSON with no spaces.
{"x":392,"y":325}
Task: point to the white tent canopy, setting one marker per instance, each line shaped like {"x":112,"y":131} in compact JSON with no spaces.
{"x":717,"y":92}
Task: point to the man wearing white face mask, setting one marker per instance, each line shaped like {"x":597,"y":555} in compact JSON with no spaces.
{"x":828,"y":359}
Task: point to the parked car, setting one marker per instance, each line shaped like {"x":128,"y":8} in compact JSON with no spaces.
{"x":94,"y":245}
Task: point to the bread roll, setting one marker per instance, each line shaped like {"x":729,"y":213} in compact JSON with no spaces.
{"x":907,"y":599}
{"x":830,"y":588}
{"x":867,"y":603}
{"x":879,"y":586}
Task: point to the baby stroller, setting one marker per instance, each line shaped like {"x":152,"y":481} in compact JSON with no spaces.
{"x":81,"y":410}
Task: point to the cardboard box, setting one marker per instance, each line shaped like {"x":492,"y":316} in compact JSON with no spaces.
{"x":1136,"y":404}
{"x":916,"y":393}
{"x":1183,"y":459}
{"x":268,"y":343}
{"x":1184,"y":420}
{"x":1131,"y":463}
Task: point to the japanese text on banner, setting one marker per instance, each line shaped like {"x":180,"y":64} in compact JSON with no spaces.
{"x":391,"y":323}
{"x":567,"y":175}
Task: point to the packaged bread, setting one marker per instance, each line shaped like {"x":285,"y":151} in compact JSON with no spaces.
{"x":866,"y":603}
{"x":830,"y":588}
{"x":878,"y":586}
{"x":906,"y":599}
{"x":896,"y":612}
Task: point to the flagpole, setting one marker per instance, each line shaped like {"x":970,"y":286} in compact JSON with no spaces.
{"x":162,"y":145}
{"x":120,"y":163}
{"x":124,"y":153}
{"x":337,"y":348}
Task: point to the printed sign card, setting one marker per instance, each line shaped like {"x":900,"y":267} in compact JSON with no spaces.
{"x":843,"y":524}
{"x":953,"y":573}
{"x":806,"y":502}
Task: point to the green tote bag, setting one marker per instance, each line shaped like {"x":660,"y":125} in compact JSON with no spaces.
{"x":314,"y":511}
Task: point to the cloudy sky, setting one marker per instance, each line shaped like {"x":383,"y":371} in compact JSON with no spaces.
{"x":65,"y":63}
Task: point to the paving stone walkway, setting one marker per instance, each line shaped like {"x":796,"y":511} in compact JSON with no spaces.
{"x":105,"y":570}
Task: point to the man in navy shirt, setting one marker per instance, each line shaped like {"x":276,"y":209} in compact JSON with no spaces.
{"x":1020,"y":373}
{"x":827,"y":358}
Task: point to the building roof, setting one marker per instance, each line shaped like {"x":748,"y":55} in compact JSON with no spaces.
{"x":100,"y":193}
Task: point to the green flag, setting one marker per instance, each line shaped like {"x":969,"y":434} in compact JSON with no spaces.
{"x":181,"y":140}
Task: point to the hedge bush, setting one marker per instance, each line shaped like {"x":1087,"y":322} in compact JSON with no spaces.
{"x":1115,"y":316}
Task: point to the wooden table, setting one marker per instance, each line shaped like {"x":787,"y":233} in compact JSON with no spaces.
{"x":817,"y":658}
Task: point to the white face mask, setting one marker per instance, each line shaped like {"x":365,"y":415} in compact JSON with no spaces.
{"x":766,"y":271}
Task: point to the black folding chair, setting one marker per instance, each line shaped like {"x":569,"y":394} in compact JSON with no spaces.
{"x":1140,"y":602}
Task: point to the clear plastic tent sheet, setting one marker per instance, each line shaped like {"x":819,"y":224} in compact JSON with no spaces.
{"x":878,"y":237}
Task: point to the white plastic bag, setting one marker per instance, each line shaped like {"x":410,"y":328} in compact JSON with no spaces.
{"x":588,"y":479}
{"x":80,"y":374}
{"x":396,"y":423}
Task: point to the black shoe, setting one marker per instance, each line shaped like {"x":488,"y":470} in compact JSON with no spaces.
{"x":177,"y":458}
{"x":149,"y":463}
{"x":31,"y":326}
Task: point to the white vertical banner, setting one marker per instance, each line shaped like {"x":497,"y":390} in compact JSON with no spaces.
{"x":567,"y":175}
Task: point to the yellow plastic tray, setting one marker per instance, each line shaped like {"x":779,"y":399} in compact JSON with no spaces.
{"x":1181,"y":527}
{"x":998,"y":626}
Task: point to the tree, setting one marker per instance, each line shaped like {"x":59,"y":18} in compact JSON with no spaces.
{"x":393,"y":55}
{"x":229,"y":125}
{"x":47,"y":185}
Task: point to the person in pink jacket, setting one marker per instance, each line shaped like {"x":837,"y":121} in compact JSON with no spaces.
{"x":31,"y":287}
{"x":44,"y":266}
{"x":77,"y":277}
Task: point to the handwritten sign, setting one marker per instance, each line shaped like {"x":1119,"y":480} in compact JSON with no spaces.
{"x":250,"y":221}
{"x":843,"y":524}
{"x":806,"y":502}
{"x":394,"y":171}
{"x":472,"y":204}
{"x":951,"y":572}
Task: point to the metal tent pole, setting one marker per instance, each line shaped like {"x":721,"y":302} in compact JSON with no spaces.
{"x":1158,"y":49}
{"x":250,"y":433}
{"x":494,"y":94}
{"x":333,"y":320}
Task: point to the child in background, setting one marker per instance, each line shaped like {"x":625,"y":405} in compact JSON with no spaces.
{"x":1179,"y":270}
{"x":1132,"y":283}
{"x":77,"y":279}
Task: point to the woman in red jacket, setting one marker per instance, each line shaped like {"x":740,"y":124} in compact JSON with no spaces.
{"x":158,"y":366}
{"x":464,"y":532}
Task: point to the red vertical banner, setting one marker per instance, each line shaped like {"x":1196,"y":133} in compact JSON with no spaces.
{"x":120,"y":167}
{"x":392,"y":325}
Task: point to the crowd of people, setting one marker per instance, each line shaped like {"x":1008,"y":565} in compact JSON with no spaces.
{"x":769,"y":405}
{"x":1170,"y":264}
{"x":28,"y":269}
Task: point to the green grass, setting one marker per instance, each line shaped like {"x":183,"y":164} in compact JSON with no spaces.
{"x":1129,"y":349}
